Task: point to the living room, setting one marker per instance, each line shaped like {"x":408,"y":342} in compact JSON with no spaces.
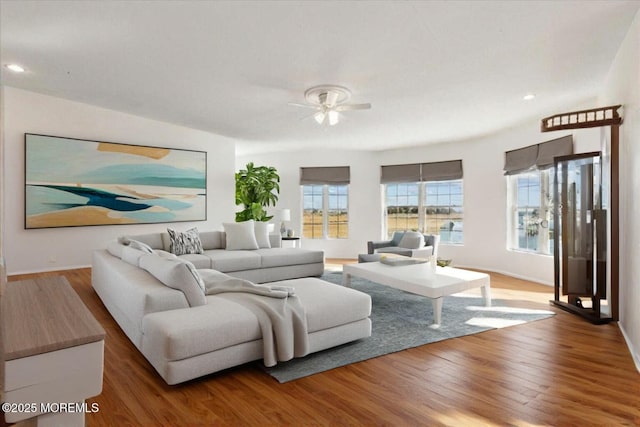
{"x":49,"y":111}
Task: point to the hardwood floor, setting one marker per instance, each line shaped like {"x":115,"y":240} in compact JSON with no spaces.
{"x":560,"y":371}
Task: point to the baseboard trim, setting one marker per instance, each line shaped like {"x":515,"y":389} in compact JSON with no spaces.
{"x":48,"y":270}
{"x":634,"y":355}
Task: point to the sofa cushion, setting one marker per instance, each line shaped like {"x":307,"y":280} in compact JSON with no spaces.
{"x":395,"y":250}
{"x":328,"y":305}
{"x":186,"y":242}
{"x":240,"y":235}
{"x":279,"y":257}
{"x":412,"y":240}
{"x":212,"y":239}
{"x":177,"y":274}
{"x":262,"y":234}
{"x":223,"y":260}
{"x":185,"y":333}
{"x":397,"y":236}
{"x":198,"y":260}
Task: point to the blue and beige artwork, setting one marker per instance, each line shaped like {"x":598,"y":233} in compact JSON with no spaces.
{"x":72,"y":182}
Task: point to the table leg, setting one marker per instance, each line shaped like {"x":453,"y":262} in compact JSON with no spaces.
{"x":437,"y":312}
{"x":486,"y":295}
{"x":346,"y":279}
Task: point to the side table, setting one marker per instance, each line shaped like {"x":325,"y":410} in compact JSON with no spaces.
{"x":297,"y":243}
{"x":53,"y":353}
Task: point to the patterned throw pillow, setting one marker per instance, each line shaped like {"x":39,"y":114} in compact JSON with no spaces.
{"x":187,"y":242}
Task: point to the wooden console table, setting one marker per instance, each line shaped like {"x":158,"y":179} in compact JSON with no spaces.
{"x":53,"y":353}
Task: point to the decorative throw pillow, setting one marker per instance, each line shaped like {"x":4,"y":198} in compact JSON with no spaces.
{"x":241,"y":235}
{"x":262,"y":234}
{"x":187,"y":242}
{"x":412,"y":240}
{"x":177,"y":274}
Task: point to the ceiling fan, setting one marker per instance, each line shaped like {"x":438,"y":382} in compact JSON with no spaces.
{"x":329,"y":101}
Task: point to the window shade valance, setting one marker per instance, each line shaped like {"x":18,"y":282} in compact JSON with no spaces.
{"x":442,"y":171}
{"x":400,"y":173}
{"x":538,"y":156}
{"x":336,"y":175}
{"x":417,"y":172}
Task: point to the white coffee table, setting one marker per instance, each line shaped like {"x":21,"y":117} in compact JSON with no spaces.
{"x":421,"y":280}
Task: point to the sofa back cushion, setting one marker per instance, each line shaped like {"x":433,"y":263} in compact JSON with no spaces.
{"x":262,"y":234}
{"x":412,"y":240}
{"x":397,"y":236}
{"x":240,"y":235}
{"x":176,"y":274}
{"x":212,"y":240}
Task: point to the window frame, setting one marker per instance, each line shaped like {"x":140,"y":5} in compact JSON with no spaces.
{"x":543,"y":225}
{"x":325,"y":212}
{"x":423,"y":199}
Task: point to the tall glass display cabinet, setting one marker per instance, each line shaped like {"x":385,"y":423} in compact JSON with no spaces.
{"x":580,"y":233}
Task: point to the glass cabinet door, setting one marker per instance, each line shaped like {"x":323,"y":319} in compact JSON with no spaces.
{"x":581,"y":229}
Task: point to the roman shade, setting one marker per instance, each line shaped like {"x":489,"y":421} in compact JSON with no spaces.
{"x":400,"y":173}
{"x":419,"y":172}
{"x":537,"y":156}
{"x":335,"y":175}
{"x":554,"y":148}
{"x":520,"y":160}
{"x":442,"y":171}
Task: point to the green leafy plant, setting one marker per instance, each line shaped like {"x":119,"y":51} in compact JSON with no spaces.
{"x":257,"y":187}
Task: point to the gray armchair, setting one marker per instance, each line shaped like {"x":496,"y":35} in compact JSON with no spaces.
{"x":407,"y":243}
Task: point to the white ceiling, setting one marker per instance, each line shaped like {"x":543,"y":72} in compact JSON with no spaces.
{"x":434,"y":71}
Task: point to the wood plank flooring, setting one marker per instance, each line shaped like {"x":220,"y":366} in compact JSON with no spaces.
{"x":560,"y":371}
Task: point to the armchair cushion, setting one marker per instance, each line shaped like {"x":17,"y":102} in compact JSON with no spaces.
{"x":411,"y":240}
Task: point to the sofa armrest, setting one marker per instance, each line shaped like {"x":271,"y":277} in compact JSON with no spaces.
{"x":423,"y":252}
{"x":275,"y":240}
{"x":373,"y":245}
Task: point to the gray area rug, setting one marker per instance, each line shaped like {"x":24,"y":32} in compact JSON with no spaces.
{"x":400,"y":321}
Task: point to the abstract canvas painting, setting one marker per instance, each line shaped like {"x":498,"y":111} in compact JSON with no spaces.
{"x":74,"y":182}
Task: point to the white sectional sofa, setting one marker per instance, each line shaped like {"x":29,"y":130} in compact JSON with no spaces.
{"x":186,"y":333}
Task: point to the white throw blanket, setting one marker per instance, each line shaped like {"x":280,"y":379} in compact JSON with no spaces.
{"x":282,"y":317}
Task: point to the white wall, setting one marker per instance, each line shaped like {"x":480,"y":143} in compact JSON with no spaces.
{"x":28,"y":112}
{"x":623,"y":87}
{"x":484,"y":193}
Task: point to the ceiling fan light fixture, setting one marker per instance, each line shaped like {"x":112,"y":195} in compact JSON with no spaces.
{"x":334,"y":117}
{"x":319,"y":116}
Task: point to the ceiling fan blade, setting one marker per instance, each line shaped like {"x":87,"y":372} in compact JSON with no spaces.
{"x":295,"y":104}
{"x":349,"y":107}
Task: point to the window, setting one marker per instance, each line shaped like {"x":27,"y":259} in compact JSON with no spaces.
{"x":325,"y":202}
{"x":444,"y":210}
{"x":402,"y":207}
{"x":531,"y":211}
{"x":530,"y":186}
{"x":433,"y":207}
{"x":325,"y":212}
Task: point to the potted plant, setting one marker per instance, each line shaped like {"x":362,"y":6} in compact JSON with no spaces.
{"x":257,"y":187}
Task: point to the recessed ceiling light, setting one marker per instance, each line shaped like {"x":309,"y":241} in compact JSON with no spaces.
{"x":15,"y":68}
{"x":528,"y":97}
